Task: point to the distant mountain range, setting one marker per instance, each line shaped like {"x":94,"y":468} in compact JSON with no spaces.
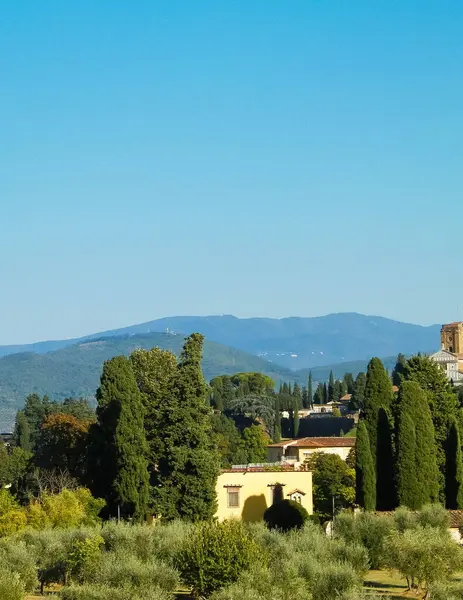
{"x":294,"y":342}
{"x":284,"y":349}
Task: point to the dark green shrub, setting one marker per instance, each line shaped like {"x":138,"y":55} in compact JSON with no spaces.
{"x":285,"y":515}
{"x":215,"y":555}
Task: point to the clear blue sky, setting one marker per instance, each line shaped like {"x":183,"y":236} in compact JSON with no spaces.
{"x":259,"y":158}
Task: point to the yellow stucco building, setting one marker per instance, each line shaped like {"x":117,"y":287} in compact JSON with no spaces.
{"x":246,"y":493}
{"x":299,"y":450}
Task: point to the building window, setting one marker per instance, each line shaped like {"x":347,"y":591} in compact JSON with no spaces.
{"x":297,"y":498}
{"x":233,"y":497}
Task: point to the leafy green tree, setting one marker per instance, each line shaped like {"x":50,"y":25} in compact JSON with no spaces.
{"x":227,"y":441}
{"x":358,"y":393}
{"x":216,"y":396}
{"x":188,"y":468}
{"x":215,"y":555}
{"x":118,"y":455}
{"x":349,"y":383}
{"x":365,"y":470}
{"x":62,"y":443}
{"x":35,"y":411}
{"x":454,"y":469}
{"x":325,"y":393}
{"x":332,"y":479}
{"x":255,"y":442}
{"x":399,"y":370}
{"x":261,"y":408}
{"x":253,"y":383}
{"x":423,"y":555}
{"x":78,"y":408}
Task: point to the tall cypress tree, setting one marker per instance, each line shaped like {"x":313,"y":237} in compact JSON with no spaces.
{"x":331,"y":388}
{"x":155,"y":372}
{"x":349,"y":383}
{"x":454,"y":469}
{"x":297,"y":394}
{"x":407,"y":487}
{"x":427,"y":472}
{"x":305,"y":398}
{"x":277,"y":424}
{"x":399,"y":370}
{"x":189,"y":466}
{"x":325,"y":393}
{"x":376,"y":411}
{"x":310,"y":390}
{"x":365,"y":470}
{"x":22,"y":432}
{"x":378,"y":394}
{"x":416,"y":448}
{"x":358,"y":394}
{"x":296,"y":419}
{"x":118,"y":449}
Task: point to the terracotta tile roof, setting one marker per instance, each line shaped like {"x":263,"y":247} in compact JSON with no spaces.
{"x":317,"y":442}
{"x":261,"y":469}
{"x":456,"y":518}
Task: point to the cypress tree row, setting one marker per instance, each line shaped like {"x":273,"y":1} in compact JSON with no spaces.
{"x":364,"y":470}
{"x":118,"y":451}
{"x":454,"y":469}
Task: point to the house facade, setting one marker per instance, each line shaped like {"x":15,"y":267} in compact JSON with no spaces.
{"x":450,"y":363}
{"x":246,"y":492}
{"x":300,"y":449}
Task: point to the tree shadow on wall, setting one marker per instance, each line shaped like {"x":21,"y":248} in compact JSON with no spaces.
{"x":254,"y":508}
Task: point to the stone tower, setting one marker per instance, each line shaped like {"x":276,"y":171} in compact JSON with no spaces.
{"x":451,"y":338}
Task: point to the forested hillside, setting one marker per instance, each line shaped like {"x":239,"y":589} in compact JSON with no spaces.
{"x":294,"y":342}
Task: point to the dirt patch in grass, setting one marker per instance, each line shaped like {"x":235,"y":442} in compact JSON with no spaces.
{"x":387,"y":584}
